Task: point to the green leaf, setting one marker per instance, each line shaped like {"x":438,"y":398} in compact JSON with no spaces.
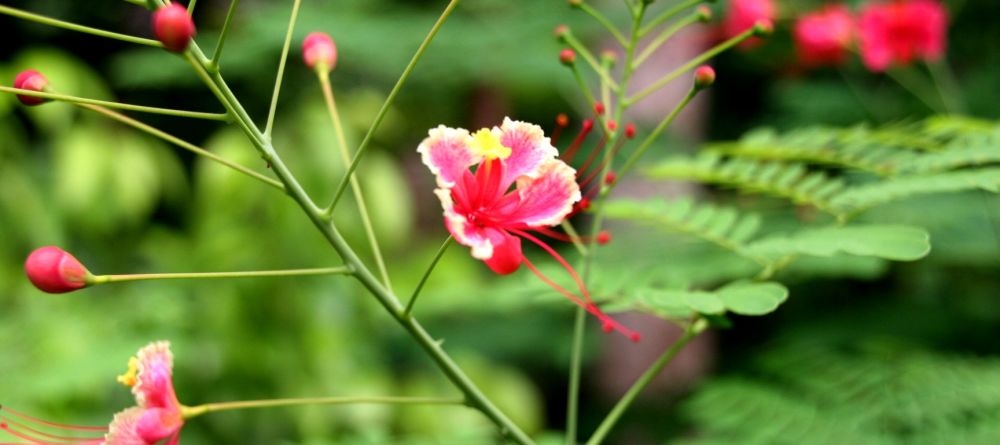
{"x":894,"y":242}
{"x":705,"y":302}
{"x":747,"y":298}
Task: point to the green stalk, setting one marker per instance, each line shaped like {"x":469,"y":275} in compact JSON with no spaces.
{"x":195,"y":411}
{"x":281,"y":69}
{"x":427,"y":274}
{"x":667,"y":15}
{"x":714,"y":51}
{"x":37,"y":18}
{"x":184,"y":144}
{"x":576,"y":358}
{"x":103,"y":279}
{"x":474,"y":397}
{"x":118,"y":105}
{"x":388,"y":102}
{"x":191,"y":6}
{"x":604,"y":22}
{"x":213,"y":65}
{"x":666,"y":35}
{"x":646,"y":143}
{"x":585,"y":54}
{"x":609,"y":422}
{"x":359,"y":198}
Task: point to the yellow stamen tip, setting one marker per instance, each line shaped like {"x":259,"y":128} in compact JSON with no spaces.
{"x":489,"y":145}
{"x":129,"y":377}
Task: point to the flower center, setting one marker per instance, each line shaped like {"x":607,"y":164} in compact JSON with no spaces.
{"x":489,"y":146}
{"x":129,"y":377}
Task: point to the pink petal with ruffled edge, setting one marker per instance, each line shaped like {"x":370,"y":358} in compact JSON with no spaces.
{"x":154,"y":386}
{"x":529,"y":149}
{"x":447,"y":152}
{"x":462,"y":230}
{"x":122,"y":429}
{"x":547,"y":199}
{"x":156,"y":424}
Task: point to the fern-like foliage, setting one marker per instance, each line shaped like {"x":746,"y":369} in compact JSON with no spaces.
{"x":876,"y":394}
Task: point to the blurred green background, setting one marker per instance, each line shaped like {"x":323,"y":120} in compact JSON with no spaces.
{"x":123,"y":202}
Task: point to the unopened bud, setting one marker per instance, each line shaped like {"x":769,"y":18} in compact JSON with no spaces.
{"x":567,"y":57}
{"x":609,"y":57}
{"x":612,"y":125}
{"x":318,"y":49}
{"x":55,"y":271}
{"x":610,"y":178}
{"x":629,"y":130}
{"x":763,"y":28}
{"x":704,"y":77}
{"x":583,"y":205}
{"x":562,"y":120}
{"x":30,"y":80}
{"x":704,"y":13}
{"x":588,"y":124}
{"x":560,"y":32}
{"x":599,"y":108}
{"x":173,"y":27}
{"x":575,"y":3}
{"x":603,"y":237}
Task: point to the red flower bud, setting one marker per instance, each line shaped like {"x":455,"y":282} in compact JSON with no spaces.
{"x":630,"y":130}
{"x":599,"y":108}
{"x":610,"y":178}
{"x":567,"y":56}
{"x":562,"y":120}
{"x":55,"y":271}
{"x":173,"y":27}
{"x":704,"y":77}
{"x":588,"y":124}
{"x":612,"y":125}
{"x":30,"y":80}
{"x":318,"y":48}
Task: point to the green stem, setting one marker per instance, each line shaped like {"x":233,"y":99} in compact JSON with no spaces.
{"x":184,"y":144}
{"x":646,"y":143}
{"x":281,"y":69}
{"x":667,"y":15}
{"x":103,"y":279}
{"x":603,"y":21}
{"x":142,"y":3}
{"x":427,"y":274}
{"x":666,"y":35}
{"x":388,"y":102}
{"x":384,"y":296}
{"x":585,"y":54}
{"x":120,"y":106}
{"x":191,"y":6}
{"x":574,"y":237}
{"x":692,"y":64}
{"x":609,"y":422}
{"x":359,"y":198}
{"x":575,"y":365}
{"x":905,"y":78}
{"x":195,"y":411}
{"x":74,"y":27}
{"x":213,"y":65}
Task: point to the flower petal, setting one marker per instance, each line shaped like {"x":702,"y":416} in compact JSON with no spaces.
{"x":507,"y":254}
{"x":547,"y":199}
{"x":530,"y":149}
{"x":448,"y":152}
{"x":466,"y":233}
{"x":156,"y":424}
{"x":122,"y":429}
{"x":154,"y":385}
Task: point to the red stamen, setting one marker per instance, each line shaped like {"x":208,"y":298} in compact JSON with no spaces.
{"x":593,"y":175}
{"x":52,"y":424}
{"x":602,"y":238}
{"x":553,"y":284}
{"x":599,"y":108}
{"x":562,"y":121}
{"x":593,"y":155}
{"x":8,"y":426}
{"x":588,"y":124}
{"x":589,"y":306}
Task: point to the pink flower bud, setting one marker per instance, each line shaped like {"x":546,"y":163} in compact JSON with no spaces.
{"x":704,"y":77}
{"x":567,"y":56}
{"x":55,"y":271}
{"x":173,"y":27}
{"x":30,"y":80}
{"x":318,"y":48}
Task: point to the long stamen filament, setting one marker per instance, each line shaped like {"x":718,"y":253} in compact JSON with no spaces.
{"x":8,"y":425}
{"x":50,"y":424}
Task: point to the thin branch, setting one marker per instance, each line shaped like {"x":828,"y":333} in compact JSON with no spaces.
{"x":37,"y":18}
{"x":281,"y":69}
{"x":117,"y":105}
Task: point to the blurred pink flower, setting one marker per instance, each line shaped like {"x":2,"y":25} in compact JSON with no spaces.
{"x":898,"y":32}
{"x":518,"y":186}
{"x":822,"y":37}
{"x":743,"y":14}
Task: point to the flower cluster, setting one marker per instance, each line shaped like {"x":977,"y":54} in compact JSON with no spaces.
{"x":157,"y":416}
{"x":885,"y":33}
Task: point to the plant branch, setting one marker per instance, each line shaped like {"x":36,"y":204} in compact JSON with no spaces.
{"x":281,"y":69}
{"x":388,"y":102}
{"x":195,"y":411}
{"x":603,"y":21}
{"x":692,"y":331}
{"x":191,"y":6}
{"x":37,"y":18}
{"x":427,"y":274}
{"x":667,"y":15}
{"x":213,"y":65}
{"x":103,"y":279}
{"x":584,"y":53}
{"x":646,"y":143}
{"x":118,"y":105}
{"x":359,"y":198}
{"x":576,"y":359}
{"x":183,"y":144}
{"x":666,"y":35}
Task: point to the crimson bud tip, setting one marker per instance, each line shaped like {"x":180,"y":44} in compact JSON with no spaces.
{"x":588,"y":124}
{"x":610,"y":178}
{"x":55,"y":271}
{"x":612,"y":125}
{"x":31,"y":80}
{"x":704,"y":77}
{"x":599,"y":108}
{"x":173,"y":27}
{"x":634,"y":337}
{"x":603,"y":237}
{"x":318,"y":49}
{"x":567,"y":57}
{"x":629,"y":130}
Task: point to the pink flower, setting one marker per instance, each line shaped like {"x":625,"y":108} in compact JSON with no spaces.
{"x":518,"y":186}
{"x":744,"y":14}
{"x":896,"y":33}
{"x":158,"y":415}
{"x":318,"y":48}
{"x":822,"y":37}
